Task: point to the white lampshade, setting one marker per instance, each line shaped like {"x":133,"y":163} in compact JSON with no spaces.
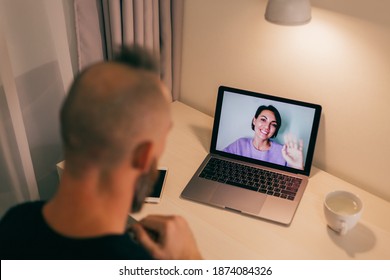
{"x":288,"y":12}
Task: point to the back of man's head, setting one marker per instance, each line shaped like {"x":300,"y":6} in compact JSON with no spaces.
{"x":111,"y":106}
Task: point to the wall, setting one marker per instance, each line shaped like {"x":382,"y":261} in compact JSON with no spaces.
{"x":340,"y":60}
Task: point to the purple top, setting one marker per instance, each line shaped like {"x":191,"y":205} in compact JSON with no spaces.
{"x":244,"y":147}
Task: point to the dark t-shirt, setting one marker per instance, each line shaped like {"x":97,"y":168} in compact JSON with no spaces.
{"x":24,"y":234}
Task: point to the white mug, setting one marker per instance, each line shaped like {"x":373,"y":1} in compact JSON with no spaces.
{"x":342,"y":210}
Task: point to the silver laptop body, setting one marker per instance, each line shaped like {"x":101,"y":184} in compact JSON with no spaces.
{"x":276,"y":198}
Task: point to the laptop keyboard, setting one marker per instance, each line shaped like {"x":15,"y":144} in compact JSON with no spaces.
{"x":251,"y":178}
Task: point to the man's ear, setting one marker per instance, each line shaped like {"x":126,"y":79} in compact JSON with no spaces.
{"x":143,"y":156}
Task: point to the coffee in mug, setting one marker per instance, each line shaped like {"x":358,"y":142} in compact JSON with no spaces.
{"x":342,"y":210}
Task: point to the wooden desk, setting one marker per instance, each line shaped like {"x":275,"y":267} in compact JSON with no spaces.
{"x":225,"y":235}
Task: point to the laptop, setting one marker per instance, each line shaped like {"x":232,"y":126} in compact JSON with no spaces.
{"x":249,"y":169}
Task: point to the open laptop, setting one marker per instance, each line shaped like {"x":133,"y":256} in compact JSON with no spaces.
{"x":236,"y":175}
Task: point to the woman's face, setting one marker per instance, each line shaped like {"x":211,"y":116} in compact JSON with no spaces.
{"x":265,"y":124}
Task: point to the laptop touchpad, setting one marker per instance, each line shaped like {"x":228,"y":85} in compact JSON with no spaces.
{"x":238,"y":199}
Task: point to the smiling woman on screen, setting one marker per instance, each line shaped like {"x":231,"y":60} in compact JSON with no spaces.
{"x":266,"y":124}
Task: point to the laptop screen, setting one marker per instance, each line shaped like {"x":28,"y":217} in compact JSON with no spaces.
{"x":259,"y":128}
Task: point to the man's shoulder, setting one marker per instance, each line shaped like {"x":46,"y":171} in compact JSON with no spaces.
{"x":26,"y":208}
{"x":20,"y":217}
{"x":25,"y":235}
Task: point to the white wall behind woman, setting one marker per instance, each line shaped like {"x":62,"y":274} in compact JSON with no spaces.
{"x":338,"y":60}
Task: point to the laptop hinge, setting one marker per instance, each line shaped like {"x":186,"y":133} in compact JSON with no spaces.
{"x":232,"y":209}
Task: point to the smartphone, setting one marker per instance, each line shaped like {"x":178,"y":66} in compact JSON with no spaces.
{"x":158,"y":186}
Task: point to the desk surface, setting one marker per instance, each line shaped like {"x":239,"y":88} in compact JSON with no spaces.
{"x":225,"y":235}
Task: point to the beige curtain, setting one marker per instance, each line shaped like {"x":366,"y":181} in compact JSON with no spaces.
{"x":35,"y":70}
{"x":103,"y":25}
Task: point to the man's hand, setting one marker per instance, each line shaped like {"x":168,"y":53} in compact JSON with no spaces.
{"x":167,"y":237}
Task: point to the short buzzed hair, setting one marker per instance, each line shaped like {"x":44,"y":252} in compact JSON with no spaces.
{"x":109,"y":105}
{"x":137,"y":58}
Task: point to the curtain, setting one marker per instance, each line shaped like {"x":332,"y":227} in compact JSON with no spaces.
{"x":104,"y":25}
{"x":34,"y":74}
